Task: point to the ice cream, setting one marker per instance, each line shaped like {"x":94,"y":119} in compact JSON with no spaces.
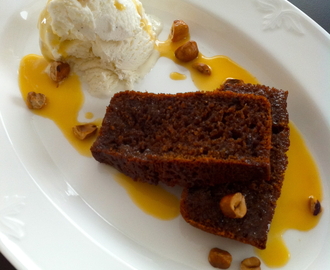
{"x":109,"y":43}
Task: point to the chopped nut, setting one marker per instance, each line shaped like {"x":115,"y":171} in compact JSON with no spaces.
{"x":220,"y":258}
{"x":84,"y":131}
{"x":179,"y":30}
{"x":252,"y":263}
{"x":59,"y":71}
{"x":202,"y":68}
{"x":233,"y":81}
{"x":36,"y":100}
{"x":314,"y":206}
{"x":187,"y":52}
{"x":233,"y":205}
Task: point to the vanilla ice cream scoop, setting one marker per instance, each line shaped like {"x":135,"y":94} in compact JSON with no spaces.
{"x":109,"y":43}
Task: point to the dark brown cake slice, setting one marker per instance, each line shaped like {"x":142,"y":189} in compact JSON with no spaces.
{"x":200,"y":205}
{"x":187,"y":139}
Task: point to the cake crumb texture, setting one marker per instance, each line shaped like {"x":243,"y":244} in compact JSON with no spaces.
{"x":187,"y":139}
{"x":200,"y":205}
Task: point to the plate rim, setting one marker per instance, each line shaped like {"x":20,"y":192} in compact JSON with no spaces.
{"x":7,"y":248}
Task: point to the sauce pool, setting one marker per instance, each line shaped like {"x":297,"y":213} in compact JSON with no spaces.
{"x":177,"y":76}
{"x":65,"y":102}
{"x":302,"y":180}
{"x":222,"y":67}
{"x":153,"y":200}
{"x":63,"y":105}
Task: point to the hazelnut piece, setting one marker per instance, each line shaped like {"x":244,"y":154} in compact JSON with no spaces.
{"x":179,"y":30}
{"x":202,"y":68}
{"x":233,"y":205}
{"x":187,"y":52}
{"x":84,"y":131}
{"x":36,"y":100}
{"x":314,"y":206}
{"x":59,"y":71}
{"x":233,"y":81}
{"x":252,"y":263}
{"x":220,"y":258}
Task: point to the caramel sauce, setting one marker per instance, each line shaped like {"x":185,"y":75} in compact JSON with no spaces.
{"x":63,"y":105}
{"x":63,"y":47}
{"x":145,"y":25}
{"x":222,"y":67}
{"x":153,"y":200}
{"x":89,"y":115}
{"x":177,"y":76}
{"x":292,"y":211}
{"x":65,"y":102}
{"x":119,"y":6}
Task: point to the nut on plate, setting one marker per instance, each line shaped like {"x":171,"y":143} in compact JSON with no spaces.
{"x":314,"y":206}
{"x":252,"y":263}
{"x":187,"y":52}
{"x":36,"y":100}
{"x":202,"y":68}
{"x":233,"y":205}
{"x":59,"y":71}
{"x":233,"y":81}
{"x":220,"y":258}
{"x":179,"y":31}
{"x":84,"y":131}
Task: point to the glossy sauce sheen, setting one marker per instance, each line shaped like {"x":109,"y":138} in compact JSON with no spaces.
{"x":153,"y":200}
{"x":65,"y":102}
{"x":177,"y":76}
{"x":63,"y":106}
{"x":119,"y":6}
{"x":222,"y":67}
{"x":292,"y":211}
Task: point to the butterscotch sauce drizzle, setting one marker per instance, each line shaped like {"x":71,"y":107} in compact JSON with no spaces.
{"x":65,"y":102}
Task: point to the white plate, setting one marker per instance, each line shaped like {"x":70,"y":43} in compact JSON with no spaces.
{"x":59,"y":210}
